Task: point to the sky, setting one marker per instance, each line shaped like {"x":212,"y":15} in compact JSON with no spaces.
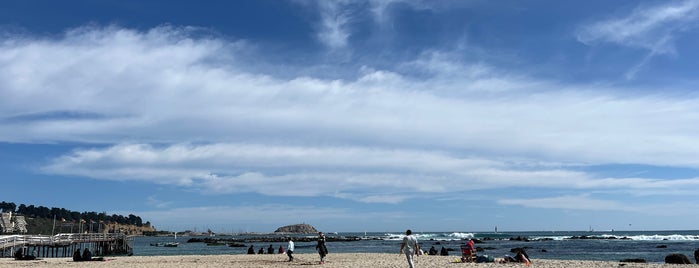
{"x":355,"y":115}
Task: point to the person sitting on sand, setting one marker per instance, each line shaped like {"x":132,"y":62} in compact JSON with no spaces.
{"x":261,"y":251}
{"x":87,"y":255}
{"x":281,"y":249}
{"x":443,"y":251}
{"x":251,"y":250}
{"x":19,"y":255}
{"x":270,"y":249}
{"x":77,"y":256}
{"x":433,"y":251}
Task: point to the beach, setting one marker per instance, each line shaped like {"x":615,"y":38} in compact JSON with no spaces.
{"x":339,"y":260}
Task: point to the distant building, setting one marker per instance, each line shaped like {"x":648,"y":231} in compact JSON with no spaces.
{"x":10,"y":224}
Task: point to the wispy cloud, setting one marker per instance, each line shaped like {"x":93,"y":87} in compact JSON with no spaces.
{"x":334,"y":25}
{"x":586,"y":202}
{"x":362,"y":174}
{"x":654,"y":28}
{"x":338,"y":18}
{"x":171,"y":114}
{"x":577,"y":202}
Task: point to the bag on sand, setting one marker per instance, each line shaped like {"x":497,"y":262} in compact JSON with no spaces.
{"x":485,"y":258}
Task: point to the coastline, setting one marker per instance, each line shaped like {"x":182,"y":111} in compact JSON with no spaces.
{"x":338,"y":260}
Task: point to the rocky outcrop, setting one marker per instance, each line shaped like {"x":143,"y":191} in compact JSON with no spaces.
{"x":297,"y":229}
{"x":677,"y":259}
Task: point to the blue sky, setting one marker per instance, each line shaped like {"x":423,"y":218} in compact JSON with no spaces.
{"x":355,"y":115}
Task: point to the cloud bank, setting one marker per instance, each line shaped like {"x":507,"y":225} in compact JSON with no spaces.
{"x":166,"y":107}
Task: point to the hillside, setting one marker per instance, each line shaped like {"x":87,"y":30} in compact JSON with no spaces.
{"x":44,"y":220}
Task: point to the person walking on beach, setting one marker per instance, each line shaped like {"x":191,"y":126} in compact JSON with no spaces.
{"x":411,"y":247}
{"x":290,"y":249}
{"x":322,"y":249}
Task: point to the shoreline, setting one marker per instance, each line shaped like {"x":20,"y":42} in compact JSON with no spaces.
{"x":339,"y":260}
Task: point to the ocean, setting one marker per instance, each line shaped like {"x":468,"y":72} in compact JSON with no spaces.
{"x":652,"y":246}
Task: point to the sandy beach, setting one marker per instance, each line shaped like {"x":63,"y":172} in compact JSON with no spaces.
{"x":342,"y":260}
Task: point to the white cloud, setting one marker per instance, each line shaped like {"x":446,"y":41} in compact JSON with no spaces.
{"x":654,"y":28}
{"x":334,"y":29}
{"x":364,"y":174}
{"x":171,"y":110}
{"x":650,"y":27}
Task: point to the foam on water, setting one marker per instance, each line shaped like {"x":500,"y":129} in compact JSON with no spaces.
{"x":432,"y":236}
{"x":655,"y":237}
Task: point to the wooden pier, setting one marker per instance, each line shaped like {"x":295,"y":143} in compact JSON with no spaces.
{"x":63,"y":245}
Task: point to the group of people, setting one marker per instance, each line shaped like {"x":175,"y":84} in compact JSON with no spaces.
{"x":270,"y":250}
{"x":433,"y":251}
{"x":85,"y":256}
{"x":320,"y":247}
{"x":410,"y":247}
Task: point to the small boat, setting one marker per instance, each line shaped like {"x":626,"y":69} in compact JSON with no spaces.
{"x":236,"y":245}
{"x":171,"y":244}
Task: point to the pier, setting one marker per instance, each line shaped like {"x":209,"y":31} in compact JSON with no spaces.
{"x":63,"y":245}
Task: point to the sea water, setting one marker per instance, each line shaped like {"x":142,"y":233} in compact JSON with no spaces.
{"x":652,"y":246}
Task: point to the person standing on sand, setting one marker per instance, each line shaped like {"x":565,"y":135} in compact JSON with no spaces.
{"x":322,"y":249}
{"x":290,"y":249}
{"x":411,"y":246}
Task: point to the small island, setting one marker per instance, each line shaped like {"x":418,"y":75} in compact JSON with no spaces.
{"x":302,"y":228}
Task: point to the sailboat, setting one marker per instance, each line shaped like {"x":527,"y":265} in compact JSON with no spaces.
{"x":172,"y":244}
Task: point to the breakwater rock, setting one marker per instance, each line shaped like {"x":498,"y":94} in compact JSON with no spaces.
{"x":267,"y":238}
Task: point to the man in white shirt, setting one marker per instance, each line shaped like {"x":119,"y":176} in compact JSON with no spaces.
{"x":411,"y":246}
{"x":290,"y":249}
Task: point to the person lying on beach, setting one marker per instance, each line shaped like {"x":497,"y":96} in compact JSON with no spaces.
{"x":521,"y":256}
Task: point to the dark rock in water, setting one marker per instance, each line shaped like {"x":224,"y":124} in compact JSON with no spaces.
{"x":634,"y":260}
{"x":677,"y":259}
{"x":661,"y":246}
{"x":520,"y":238}
{"x":544,"y":250}
{"x":297,"y":229}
